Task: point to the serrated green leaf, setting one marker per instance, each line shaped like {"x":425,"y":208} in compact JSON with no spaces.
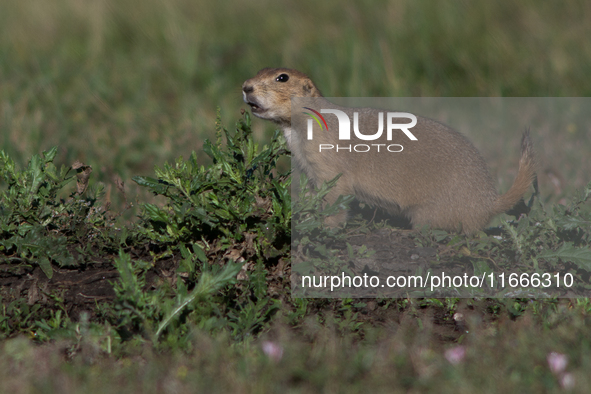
{"x":568,"y":252}
{"x":45,"y":266}
{"x":350,"y":251}
{"x":480,"y":267}
{"x":212,"y":151}
{"x":199,"y":253}
{"x":50,"y":154}
{"x":156,"y":214}
{"x":572,"y":222}
{"x":146,"y":181}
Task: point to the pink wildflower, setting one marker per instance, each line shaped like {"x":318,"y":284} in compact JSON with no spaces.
{"x":557,"y":362}
{"x":273,"y":350}
{"x":455,"y":355}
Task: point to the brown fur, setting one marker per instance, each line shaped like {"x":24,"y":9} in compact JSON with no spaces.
{"x":440,"y":180}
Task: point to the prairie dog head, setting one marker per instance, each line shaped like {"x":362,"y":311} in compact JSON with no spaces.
{"x":269,"y":93}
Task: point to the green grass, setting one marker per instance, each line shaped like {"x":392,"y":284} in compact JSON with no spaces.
{"x":123,"y":87}
{"x":202,"y":273}
{"x":127,"y":86}
{"x":508,"y":357}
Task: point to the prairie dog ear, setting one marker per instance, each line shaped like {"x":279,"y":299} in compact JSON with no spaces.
{"x":307,"y":88}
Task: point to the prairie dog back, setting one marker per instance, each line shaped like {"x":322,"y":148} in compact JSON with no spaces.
{"x":440,"y":179}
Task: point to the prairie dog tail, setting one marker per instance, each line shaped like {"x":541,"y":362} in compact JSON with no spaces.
{"x":525,"y":177}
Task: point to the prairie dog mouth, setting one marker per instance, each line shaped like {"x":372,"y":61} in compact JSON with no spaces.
{"x":255,"y":106}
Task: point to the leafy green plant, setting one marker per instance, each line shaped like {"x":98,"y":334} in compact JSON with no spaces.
{"x":151,"y":312}
{"x":41,"y":222}
{"x":313,"y":243}
{"x":29,"y":209}
{"x":239,"y":199}
{"x":237,"y":209}
{"x":555,"y":234}
{"x":552,"y":239}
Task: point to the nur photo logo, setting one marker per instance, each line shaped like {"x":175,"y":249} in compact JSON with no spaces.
{"x":344,"y":129}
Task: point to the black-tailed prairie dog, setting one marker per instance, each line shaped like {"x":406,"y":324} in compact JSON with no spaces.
{"x":439,"y":179}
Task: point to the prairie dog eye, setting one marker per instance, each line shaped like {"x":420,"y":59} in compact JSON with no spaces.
{"x":282,"y":78}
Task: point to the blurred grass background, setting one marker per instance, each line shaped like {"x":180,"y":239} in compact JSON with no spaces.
{"x":125,"y":85}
